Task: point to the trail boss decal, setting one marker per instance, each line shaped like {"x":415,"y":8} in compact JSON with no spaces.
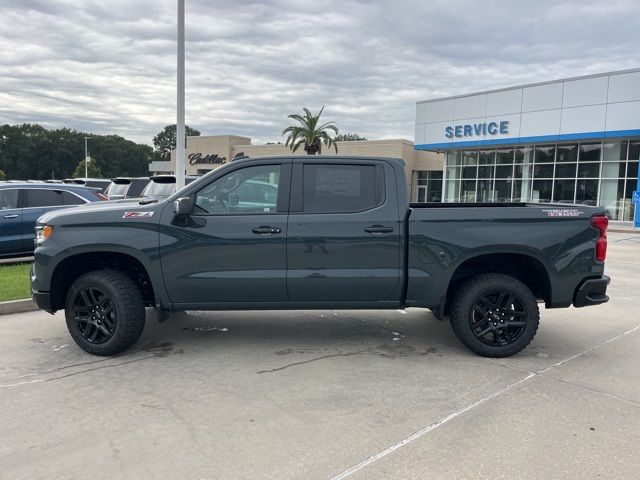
{"x":137,"y":214}
{"x":563,"y":213}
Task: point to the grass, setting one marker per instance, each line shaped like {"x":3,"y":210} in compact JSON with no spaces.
{"x":14,"y":282}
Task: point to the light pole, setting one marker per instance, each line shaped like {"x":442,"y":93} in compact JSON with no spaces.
{"x":86,"y":158}
{"x":180,"y":100}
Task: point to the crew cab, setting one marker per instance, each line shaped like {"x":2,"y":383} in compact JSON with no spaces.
{"x":317,"y":233}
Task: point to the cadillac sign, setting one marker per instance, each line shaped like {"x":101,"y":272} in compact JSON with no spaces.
{"x":199,"y":159}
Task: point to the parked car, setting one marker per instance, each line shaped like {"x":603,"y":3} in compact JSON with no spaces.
{"x":339,"y":234}
{"x":118,"y":188}
{"x":22,"y":203}
{"x":163,"y":186}
{"x":136,"y":187}
{"x":101,"y":183}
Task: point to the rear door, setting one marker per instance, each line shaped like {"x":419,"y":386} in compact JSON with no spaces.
{"x":344,"y":234}
{"x":38,"y":201}
{"x":10,"y":222}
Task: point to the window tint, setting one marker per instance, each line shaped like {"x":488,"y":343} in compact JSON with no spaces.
{"x":70,"y":199}
{"x":8,"y":199}
{"x":248,"y":190}
{"x":136,"y":187}
{"x":339,"y":188}
{"x":43,"y":198}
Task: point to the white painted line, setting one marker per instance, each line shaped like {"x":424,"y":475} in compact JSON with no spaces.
{"x":471,"y":406}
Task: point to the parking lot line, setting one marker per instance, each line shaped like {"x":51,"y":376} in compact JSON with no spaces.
{"x":420,"y":433}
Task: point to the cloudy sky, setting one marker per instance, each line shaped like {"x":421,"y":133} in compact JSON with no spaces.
{"x":109,"y":66}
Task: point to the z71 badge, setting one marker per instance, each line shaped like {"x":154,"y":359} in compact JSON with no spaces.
{"x":137,"y":214}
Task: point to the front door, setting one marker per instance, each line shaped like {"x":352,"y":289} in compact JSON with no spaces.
{"x":231,"y":251}
{"x":344,"y":235}
{"x":11,"y":241}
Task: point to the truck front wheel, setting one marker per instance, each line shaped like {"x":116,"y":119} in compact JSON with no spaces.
{"x":105,"y":312}
{"x":495,"y":315}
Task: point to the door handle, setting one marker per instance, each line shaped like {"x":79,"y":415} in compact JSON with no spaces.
{"x":11,"y":216}
{"x":378,"y":229}
{"x":265,"y":230}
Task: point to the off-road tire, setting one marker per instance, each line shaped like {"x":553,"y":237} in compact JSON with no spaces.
{"x":469,"y":294}
{"x":126,"y":301}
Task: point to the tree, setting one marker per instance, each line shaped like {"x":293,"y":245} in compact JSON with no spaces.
{"x":93,"y":170}
{"x":309,"y":134}
{"x":3,"y":176}
{"x":348,"y":137}
{"x":165,"y":141}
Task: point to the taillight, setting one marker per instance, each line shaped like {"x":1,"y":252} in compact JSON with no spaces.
{"x":600,"y":222}
{"x":102,"y":197}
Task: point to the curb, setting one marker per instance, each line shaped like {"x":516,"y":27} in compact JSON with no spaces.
{"x":17,"y":306}
{"x":12,"y":261}
{"x":623,"y":230}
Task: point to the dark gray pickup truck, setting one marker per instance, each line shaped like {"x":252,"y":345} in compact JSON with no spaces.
{"x":317,"y":233}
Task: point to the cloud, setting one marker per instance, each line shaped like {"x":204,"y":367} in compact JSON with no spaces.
{"x":109,"y":67}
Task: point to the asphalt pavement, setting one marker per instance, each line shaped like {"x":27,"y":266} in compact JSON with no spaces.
{"x":328,"y":395}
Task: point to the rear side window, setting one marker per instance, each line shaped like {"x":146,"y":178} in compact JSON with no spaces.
{"x":8,"y":199}
{"x":42,"y":198}
{"x":70,"y":199}
{"x":339,"y":188}
{"x":136,"y":187}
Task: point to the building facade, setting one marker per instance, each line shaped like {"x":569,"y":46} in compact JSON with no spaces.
{"x":205,"y":153}
{"x":570,"y":141}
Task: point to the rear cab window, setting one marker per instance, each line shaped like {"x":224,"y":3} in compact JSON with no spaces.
{"x":332,"y":188}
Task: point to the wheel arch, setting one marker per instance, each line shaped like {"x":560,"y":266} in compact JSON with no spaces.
{"x":525,"y":267}
{"x":78,"y":263}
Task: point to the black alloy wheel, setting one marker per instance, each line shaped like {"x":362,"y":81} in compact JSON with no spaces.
{"x":105,"y":312}
{"x":494,"y":314}
{"x":498,"y":317}
{"x":95,"y":315}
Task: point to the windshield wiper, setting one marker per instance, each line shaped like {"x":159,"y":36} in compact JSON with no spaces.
{"x":147,"y":201}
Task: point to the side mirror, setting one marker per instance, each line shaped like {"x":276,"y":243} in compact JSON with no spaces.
{"x":183,"y":206}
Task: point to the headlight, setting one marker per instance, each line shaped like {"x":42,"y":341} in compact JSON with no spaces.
{"x":42,"y":233}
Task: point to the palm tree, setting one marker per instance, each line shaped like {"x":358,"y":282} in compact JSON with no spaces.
{"x":309,"y":134}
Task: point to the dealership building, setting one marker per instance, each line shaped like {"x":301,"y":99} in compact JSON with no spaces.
{"x":570,"y":141}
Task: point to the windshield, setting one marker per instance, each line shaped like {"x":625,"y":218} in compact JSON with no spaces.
{"x":117,"y":189}
{"x":158,"y":190}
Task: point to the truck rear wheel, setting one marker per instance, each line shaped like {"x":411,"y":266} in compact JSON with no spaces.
{"x":495,"y":315}
{"x":104,"y":312}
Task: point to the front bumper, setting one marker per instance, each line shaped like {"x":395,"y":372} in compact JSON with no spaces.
{"x":592,"y":291}
{"x":42,"y":300}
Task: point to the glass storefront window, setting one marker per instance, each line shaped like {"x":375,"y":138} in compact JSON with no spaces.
{"x":566,"y":170}
{"x":469,"y":172}
{"x":504,"y":155}
{"x":545,"y":153}
{"x":613,"y":169}
{"x":587,"y":192}
{"x":522,"y":191}
{"x":485,"y":171}
{"x":612,"y":197}
{"x":502,"y":190}
{"x":632,"y":169}
{"x":614,"y":151}
{"x":567,"y":153}
{"x":564,"y":191}
{"x":524,"y":171}
{"x":454,"y":158}
{"x":590,"y":152}
{"x":634,"y":151}
{"x":504,"y":171}
{"x":485,"y":191}
{"x":628,"y":211}
{"x":468,"y":193}
{"x":524,"y":155}
{"x":588,"y":170}
{"x":487,"y":157}
{"x":434,"y":187}
{"x":543,"y":171}
{"x":541,"y":191}
{"x":469,"y":157}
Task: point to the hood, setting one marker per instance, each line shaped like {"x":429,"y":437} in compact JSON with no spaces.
{"x":102,"y":212}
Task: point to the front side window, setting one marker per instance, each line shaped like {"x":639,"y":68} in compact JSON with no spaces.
{"x":250,"y":190}
{"x":43,"y":198}
{"x":339,"y":188}
{"x":8,"y":199}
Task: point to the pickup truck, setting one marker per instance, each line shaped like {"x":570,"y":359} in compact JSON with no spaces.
{"x":317,"y":233}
